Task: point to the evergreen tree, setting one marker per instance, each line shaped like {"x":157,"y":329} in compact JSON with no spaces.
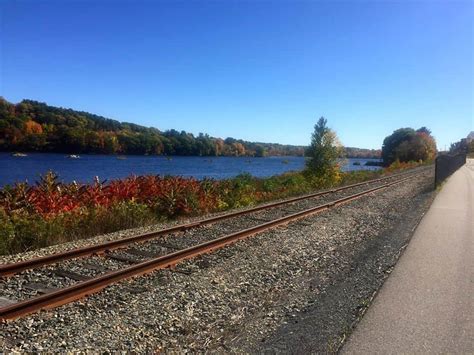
{"x":323,"y":152}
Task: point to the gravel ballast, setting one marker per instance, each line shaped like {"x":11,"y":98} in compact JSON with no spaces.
{"x":299,"y":287}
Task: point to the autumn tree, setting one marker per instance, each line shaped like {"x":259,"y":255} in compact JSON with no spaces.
{"x":238,"y":149}
{"x":406,"y":144}
{"x":219,"y":146}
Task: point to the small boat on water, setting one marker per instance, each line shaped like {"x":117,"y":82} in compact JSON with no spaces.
{"x":73,"y":156}
{"x":121,"y":157}
{"x":17,"y":154}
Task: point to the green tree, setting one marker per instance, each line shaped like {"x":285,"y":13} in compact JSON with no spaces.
{"x":259,"y":151}
{"x":323,"y":153}
{"x":396,"y":141}
{"x":111,"y":144}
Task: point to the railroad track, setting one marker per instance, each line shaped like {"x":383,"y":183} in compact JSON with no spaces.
{"x":71,"y":275}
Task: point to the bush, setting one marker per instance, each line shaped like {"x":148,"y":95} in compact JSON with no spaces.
{"x":398,"y":165}
{"x":352,"y":177}
{"x":20,"y":233}
{"x":7,"y":232}
{"x":123,"y":215}
{"x":239,"y":191}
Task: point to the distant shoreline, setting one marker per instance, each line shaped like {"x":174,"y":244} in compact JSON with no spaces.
{"x":11,"y":152}
{"x":154,"y":155}
{"x":32,"y":126}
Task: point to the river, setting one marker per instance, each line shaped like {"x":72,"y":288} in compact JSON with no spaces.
{"x":28,"y":168}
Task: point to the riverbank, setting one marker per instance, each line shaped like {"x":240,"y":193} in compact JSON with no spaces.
{"x":51,"y":212}
{"x":251,"y":296}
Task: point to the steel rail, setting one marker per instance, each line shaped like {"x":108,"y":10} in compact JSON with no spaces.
{"x":14,"y":268}
{"x":88,"y":287}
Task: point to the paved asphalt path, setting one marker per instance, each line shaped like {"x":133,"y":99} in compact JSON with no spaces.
{"x":427,"y":303}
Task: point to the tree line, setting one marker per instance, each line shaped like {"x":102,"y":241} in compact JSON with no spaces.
{"x":33,"y":126}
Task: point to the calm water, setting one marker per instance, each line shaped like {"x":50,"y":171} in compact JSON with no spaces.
{"x":13,"y":169}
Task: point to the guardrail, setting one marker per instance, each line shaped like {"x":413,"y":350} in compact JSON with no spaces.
{"x":445,"y":165}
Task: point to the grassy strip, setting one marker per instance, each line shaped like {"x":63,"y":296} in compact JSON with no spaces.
{"x":50,"y":212}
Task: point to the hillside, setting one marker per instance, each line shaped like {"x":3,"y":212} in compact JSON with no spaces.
{"x":35,"y":126}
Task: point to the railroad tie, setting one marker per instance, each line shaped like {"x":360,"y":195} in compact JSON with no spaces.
{"x":122,"y":258}
{"x":95,"y":267}
{"x":143,"y":253}
{"x":71,"y":275}
{"x":167,"y":246}
{"x":39,"y":287}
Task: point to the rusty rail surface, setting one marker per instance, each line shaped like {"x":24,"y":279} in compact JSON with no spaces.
{"x":88,"y":287}
{"x":14,"y":268}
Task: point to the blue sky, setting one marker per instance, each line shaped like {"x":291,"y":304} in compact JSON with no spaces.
{"x":255,"y":70}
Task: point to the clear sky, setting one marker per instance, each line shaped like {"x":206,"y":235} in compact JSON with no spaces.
{"x":255,"y":70}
